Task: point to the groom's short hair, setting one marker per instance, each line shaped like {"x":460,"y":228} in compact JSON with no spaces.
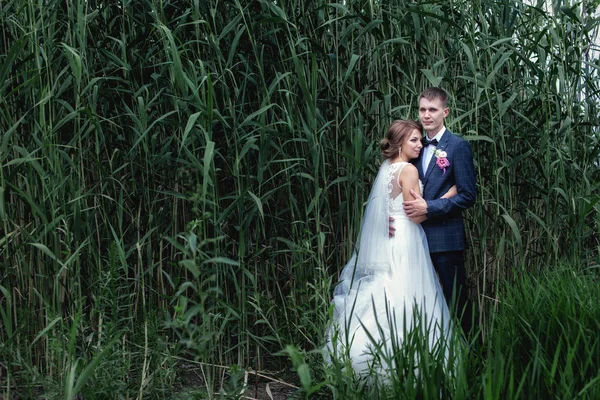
{"x":435,"y":93}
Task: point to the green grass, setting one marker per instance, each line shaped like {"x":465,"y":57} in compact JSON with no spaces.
{"x":185,"y":179}
{"x":541,"y":342}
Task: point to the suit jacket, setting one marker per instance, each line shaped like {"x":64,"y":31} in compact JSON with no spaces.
{"x":444,"y":226}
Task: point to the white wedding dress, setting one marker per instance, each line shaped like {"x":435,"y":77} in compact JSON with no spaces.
{"x":374,"y":302}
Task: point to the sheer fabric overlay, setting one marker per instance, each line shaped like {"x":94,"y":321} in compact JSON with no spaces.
{"x":385,"y":279}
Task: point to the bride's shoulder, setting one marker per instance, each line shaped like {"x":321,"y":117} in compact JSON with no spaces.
{"x":409,"y":168}
{"x":398,"y":165}
{"x":402,"y":168}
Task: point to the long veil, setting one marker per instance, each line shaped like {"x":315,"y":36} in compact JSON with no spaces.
{"x":372,"y":249}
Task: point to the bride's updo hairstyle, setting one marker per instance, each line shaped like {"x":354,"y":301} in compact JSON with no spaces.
{"x":396,"y":134}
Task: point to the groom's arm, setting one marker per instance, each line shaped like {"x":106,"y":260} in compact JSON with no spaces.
{"x":464,"y":176}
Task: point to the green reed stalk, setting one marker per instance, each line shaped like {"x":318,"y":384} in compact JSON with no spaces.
{"x":206,"y":164}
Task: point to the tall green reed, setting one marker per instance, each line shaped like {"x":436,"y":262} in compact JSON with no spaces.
{"x":129,"y":129}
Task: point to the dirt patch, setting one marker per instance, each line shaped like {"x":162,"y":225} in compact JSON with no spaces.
{"x":232,"y":383}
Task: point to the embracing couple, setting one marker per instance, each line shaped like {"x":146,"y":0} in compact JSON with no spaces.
{"x":410,"y":251}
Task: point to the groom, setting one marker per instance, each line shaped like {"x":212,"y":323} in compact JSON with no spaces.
{"x":445,"y":160}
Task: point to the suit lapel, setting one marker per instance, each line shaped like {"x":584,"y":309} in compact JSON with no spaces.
{"x":440,"y":146}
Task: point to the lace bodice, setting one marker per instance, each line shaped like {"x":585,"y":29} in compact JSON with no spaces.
{"x":395,"y":205}
{"x":395,"y":190}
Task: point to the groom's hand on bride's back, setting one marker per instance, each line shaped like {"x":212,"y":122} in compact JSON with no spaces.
{"x":391,"y":228}
{"x":416,"y":207}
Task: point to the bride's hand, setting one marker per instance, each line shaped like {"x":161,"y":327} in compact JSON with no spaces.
{"x":450,"y":193}
{"x":391,"y":229}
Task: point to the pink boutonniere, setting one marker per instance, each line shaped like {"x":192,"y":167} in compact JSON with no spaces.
{"x":442,"y":161}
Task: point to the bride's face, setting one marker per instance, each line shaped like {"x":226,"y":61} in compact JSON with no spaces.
{"x":411,"y":147}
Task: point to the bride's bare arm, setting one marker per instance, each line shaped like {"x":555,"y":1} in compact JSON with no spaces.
{"x":409,"y":180}
{"x":450,"y":193}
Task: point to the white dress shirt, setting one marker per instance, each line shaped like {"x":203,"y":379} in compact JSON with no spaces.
{"x":429,"y":150}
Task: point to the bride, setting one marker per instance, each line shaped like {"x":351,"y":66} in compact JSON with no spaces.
{"x":389,"y":285}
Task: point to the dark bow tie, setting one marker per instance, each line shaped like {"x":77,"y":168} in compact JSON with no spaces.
{"x":428,"y":142}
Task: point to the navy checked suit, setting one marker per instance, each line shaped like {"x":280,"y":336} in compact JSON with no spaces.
{"x":444,"y":226}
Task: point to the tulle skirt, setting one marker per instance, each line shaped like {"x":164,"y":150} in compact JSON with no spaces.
{"x":375,"y":307}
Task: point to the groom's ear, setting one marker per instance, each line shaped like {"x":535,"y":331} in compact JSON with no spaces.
{"x":446,"y":112}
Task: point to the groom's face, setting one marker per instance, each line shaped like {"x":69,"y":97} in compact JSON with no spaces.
{"x":432,"y":114}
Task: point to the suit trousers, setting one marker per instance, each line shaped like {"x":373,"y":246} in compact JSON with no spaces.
{"x":450,"y":267}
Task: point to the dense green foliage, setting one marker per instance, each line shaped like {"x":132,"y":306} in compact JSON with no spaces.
{"x":542,"y":345}
{"x":185,"y":178}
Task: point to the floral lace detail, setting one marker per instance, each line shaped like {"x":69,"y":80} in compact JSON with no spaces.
{"x":366,"y":269}
{"x":395,"y":202}
{"x":393,"y":168}
{"x":395,"y":205}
